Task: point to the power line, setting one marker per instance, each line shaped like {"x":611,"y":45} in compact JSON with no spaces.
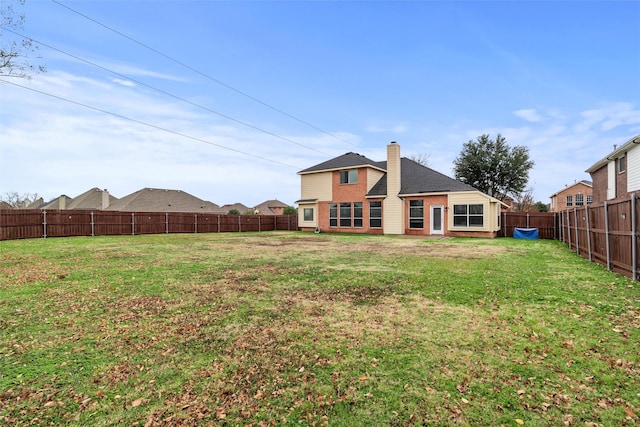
{"x":203,"y":73}
{"x":167,"y":93}
{"x":120,"y":116}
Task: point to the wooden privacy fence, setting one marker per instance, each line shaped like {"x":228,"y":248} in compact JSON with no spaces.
{"x":545,"y":222}
{"x":24,"y":224}
{"x":605,"y":233}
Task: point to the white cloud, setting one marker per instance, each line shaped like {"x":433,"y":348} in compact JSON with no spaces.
{"x":124,"y":82}
{"x":529,"y":115}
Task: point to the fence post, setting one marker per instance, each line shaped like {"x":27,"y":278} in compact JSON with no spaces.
{"x":133,"y":224}
{"x":92,"y":225}
{"x":195,"y":219}
{"x":239,"y":223}
{"x":555,"y":226}
{"x":575,"y":221}
{"x":218,"y":223}
{"x":527,"y":219}
{"x":44,"y":224}
{"x":569,"y":227}
{"x":606,"y":234}
{"x":586,"y":212}
{"x":166,"y":223}
{"x":634,"y":238}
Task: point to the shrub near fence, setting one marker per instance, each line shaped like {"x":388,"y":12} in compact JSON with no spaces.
{"x":25,"y":224}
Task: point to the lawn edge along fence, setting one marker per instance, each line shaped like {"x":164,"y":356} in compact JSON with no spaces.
{"x":36,"y":223}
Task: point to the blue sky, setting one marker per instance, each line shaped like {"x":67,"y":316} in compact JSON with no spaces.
{"x":227,"y":100}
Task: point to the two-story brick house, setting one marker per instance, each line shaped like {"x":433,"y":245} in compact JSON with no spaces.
{"x":577,"y":194}
{"x":352,"y":193}
{"x":617,"y":175}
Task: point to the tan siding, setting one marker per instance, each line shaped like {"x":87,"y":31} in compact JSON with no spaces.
{"x":633,"y":169}
{"x":373,"y":176}
{"x":301,"y":222}
{"x":474,"y":198}
{"x":316,"y":186}
{"x":393,"y":206}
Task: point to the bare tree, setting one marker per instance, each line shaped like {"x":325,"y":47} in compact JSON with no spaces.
{"x":524,"y":202}
{"x":14,"y":48}
{"x":17,"y":200}
{"x":421,"y":158}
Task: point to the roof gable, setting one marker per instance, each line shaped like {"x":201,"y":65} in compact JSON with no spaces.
{"x":90,"y":199}
{"x":583,"y":182}
{"x":614,"y":154}
{"x":348,"y":160}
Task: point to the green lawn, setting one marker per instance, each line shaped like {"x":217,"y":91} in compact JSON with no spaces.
{"x":288,"y":328}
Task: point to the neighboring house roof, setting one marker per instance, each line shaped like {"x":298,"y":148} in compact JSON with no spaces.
{"x":55,"y":203}
{"x":36,"y":204}
{"x":417,"y":179}
{"x":161,"y":200}
{"x":90,"y":199}
{"x":347,"y":160}
{"x":238,"y":206}
{"x":266,"y":208}
{"x":614,"y":154}
{"x":584,"y":182}
{"x":5,"y":205}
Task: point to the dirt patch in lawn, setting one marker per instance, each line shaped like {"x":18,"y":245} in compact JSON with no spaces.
{"x":406,"y":245}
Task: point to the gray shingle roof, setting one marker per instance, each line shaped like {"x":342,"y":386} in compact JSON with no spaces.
{"x":347,"y":160}
{"x":416,"y":179}
{"x":91,"y":199}
{"x":160,"y":200}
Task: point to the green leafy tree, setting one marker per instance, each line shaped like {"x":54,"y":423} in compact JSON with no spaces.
{"x":493,"y":167}
{"x":234,"y":212}
{"x":542,"y":207}
{"x":14,"y":48}
{"x":290,"y":210}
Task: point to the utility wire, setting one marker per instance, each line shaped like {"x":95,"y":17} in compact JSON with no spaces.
{"x":203,"y":73}
{"x":167,"y":93}
{"x":120,"y":116}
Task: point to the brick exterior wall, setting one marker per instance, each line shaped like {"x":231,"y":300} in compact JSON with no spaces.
{"x":600,"y":178}
{"x":573,"y":190}
{"x":441,"y":200}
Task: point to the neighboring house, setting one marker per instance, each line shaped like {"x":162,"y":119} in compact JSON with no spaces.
{"x":352,"y":193}
{"x":161,"y":200}
{"x":59,"y":203}
{"x":92,"y":199}
{"x":270,"y":207}
{"x":577,"y":194}
{"x":237,"y":206}
{"x":5,"y":205}
{"x":618,"y":174}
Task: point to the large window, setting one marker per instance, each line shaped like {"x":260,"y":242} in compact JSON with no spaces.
{"x":349,"y":176}
{"x":333,"y":215}
{"x":468,"y":215}
{"x":375,"y":214}
{"x":589,"y":199}
{"x":308,"y":214}
{"x":357,"y":214}
{"x":569,"y":200}
{"x":345,"y":214}
{"x":416,"y":213}
{"x":579,"y":199}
